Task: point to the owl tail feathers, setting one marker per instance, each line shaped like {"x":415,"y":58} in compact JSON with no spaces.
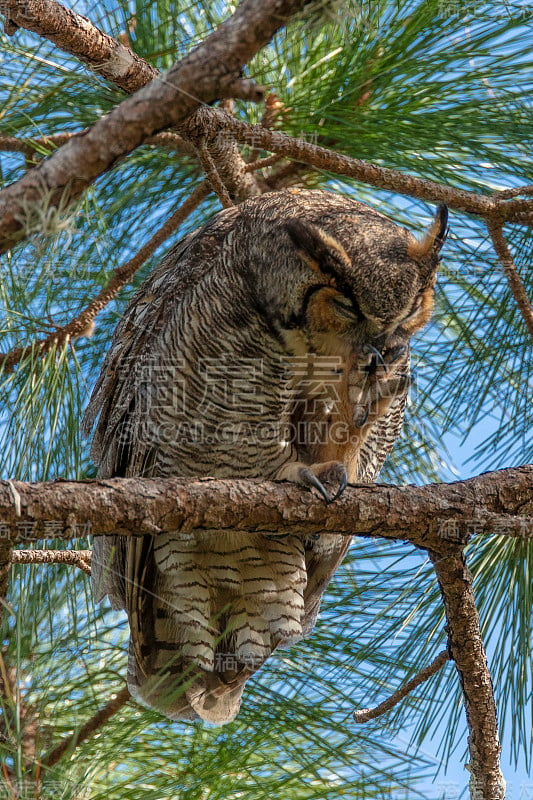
{"x":191,"y":694}
{"x":215,"y":700}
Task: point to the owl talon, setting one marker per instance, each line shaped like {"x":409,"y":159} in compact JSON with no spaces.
{"x":342,"y":486}
{"x":308,"y":478}
{"x":329,"y":471}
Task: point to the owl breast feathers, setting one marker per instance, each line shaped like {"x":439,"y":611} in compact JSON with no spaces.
{"x":271,"y":343}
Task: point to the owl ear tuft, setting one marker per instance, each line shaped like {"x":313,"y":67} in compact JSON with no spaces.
{"x":320,"y":251}
{"x":426,"y":251}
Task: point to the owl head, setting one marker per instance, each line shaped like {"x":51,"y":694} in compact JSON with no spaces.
{"x":372,"y":278}
{"x":319,"y":262}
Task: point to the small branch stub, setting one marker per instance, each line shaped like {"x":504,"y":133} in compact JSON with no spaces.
{"x":366,"y":714}
{"x":78,"y":558}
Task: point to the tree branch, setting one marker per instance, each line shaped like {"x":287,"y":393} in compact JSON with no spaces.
{"x":214,"y":179}
{"x":5,"y":563}
{"x":203,"y":76}
{"x":82,"y":324}
{"x":30,"y":147}
{"x":91,"y":726}
{"x":78,"y":36}
{"x":11,"y":144}
{"x":366,"y":714}
{"x":516,"y":192}
{"x":221,"y":150}
{"x":78,"y":558}
{"x":381,"y":177}
{"x":20,"y":718}
{"x":499,"y":502}
{"x":466,"y":649}
{"x":515,"y":282}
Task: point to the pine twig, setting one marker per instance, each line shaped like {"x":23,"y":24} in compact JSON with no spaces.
{"x":172,"y":141}
{"x":262,"y":163}
{"x":213,"y":177}
{"x":78,"y":558}
{"x":290,"y":174}
{"x":273,"y":108}
{"x":5,"y":563}
{"x":91,"y":726}
{"x":30,"y":146}
{"x":518,"y":191}
{"x":366,"y":714}
{"x":11,"y":144}
{"x":515,"y":282}
{"x":82,"y":323}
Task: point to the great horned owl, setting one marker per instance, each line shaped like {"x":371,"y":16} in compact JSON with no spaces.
{"x":271,"y":343}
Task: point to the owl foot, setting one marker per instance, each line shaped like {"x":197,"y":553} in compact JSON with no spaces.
{"x":315,"y":475}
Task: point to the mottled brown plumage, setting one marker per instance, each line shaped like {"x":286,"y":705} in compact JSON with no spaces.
{"x":271,"y":343}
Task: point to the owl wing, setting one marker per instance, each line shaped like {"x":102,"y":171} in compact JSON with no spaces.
{"x":115,"y":448}
{"x":119,"y":447}
{"x":172,"y":643}
{"x":114,"y":395}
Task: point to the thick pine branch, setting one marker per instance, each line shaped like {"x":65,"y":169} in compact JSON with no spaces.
{"x":78,"y":36}
{"x":465,"y":645}
{"x":427,"y":516}
{"x":210,"y":72}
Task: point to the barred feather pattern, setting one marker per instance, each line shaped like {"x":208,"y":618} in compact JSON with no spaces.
{"x":236,"y":345}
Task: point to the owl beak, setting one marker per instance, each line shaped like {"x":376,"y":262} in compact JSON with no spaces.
{"x":376,"y":359}
{"x":382,"y":359}
{"x":396,"y":352}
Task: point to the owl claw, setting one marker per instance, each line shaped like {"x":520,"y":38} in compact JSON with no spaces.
{"x":309,"y":475}
{"x":310,"y":479}
{"x":342,"y":486}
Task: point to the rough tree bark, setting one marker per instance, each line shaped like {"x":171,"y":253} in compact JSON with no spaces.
{"x":427,"y":516}
{"x":210,"y":72}
{"x":466,"y":648}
